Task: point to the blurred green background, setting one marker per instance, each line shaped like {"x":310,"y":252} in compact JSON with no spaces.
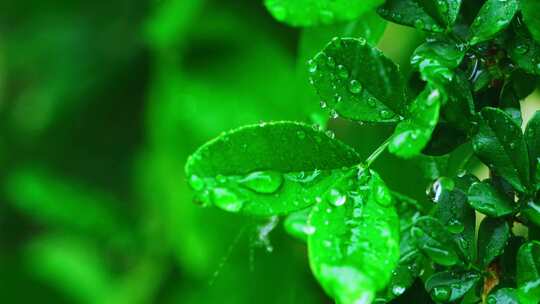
{"x":100,"y":105}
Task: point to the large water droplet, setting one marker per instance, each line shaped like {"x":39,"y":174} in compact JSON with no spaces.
{"x":196,"y":183}
{"x":342,"y":72}
{"x":336,"y":197}
{"x":263,"y":181}
{"x":226,"y":200}
{"x":355,"y":87}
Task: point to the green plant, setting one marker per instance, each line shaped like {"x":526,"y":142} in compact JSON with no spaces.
{"x":459,"y":106}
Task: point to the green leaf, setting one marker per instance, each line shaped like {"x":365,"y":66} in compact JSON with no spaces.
{"x":454,"y":213}
{"x":52,"y":201}
{"x":435,"y":241}
{"x":488,"y":200}
{"x":409,"y":12}
{"x":528,"y":274}
{"x":358,"y":82}
{"x":507,"y":261}
{"x":531,"y":211}
{"x":493,"y":236}
{"x":449,"y":286}
{"x":445,"y":12}
{"x":411,"y":261}
{"x":297,"y":224}
{"x":413,"y":134}
{"x":436,"y":61}
{"x":524,"y":50}
{"x":500,"y":145}
{"x":531,"y":15}
{"x":355,"y":245}
{"x":503,"y":296}
{"x":445,"y":139}
{"x":532,"y":138}
{"x":269,"y":168}
{"x":494,"y":16}
{"x":459,"y":110}
{"x":317,"y":12}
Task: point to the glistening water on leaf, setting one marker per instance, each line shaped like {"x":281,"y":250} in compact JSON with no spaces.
{"x":268,"y":168}
{"x":355,"y":245}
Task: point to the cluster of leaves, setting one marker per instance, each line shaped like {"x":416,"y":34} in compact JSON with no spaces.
{"x":366,"y":243}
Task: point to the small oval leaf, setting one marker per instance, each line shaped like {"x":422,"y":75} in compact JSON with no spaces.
{"x":358,"y":81}
{"x":267,"y":169}
{"x":488,"y":200}
{"x":494,"y":16}
{"x":355,"y":245}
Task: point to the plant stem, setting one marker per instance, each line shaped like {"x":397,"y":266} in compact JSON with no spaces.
{"x":367,"y":163}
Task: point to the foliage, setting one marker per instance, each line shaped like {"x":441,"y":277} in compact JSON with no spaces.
{"x":459,"y":105}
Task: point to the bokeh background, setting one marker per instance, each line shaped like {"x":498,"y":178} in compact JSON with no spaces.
{"x":101,"y":102}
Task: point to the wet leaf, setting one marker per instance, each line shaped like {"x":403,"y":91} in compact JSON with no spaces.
{"x":528,"y":275}
{"x":503,"y":296}
{"x":493,"y":236}
{"x":449,"y":286}
{"x":532,"y":138}
{"x":317,"y":12}
{"x":358,"y":82}
{"x":490,"y":201}
{"x":435,"y":241}
{"x":266,"y":169}
{"x":500,"y":145}
{"x":494,"y":16}
{"x":355,"y":245}
{"x":413,"y":134}
{"x":409,"y":12}
{"x":445,"y":12}
{"x":530,"y":10}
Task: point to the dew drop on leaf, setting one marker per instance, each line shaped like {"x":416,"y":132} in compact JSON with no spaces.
{"x":355,"y":87}
{"x":336,"y":197}
{"x":196,"y":183}
{"x":226,"y":200}
{"x":263,"y":181}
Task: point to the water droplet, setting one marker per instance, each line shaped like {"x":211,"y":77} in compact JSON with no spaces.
{"x":196,"y":183}
{"x":226,"y":200}
{"x":455,"y":226}
{"x":330,"y":134}
{"x":301,"y":134}
{"x":384,"y":114}
{"x":521,"y":49}
{"x":398,"y":290}
{"x":336,"y":197}
{"x":441,"y":294}
{"x":312,"y":66}
{"x":336,"y":42}
{"x":330,"y":61}
{"x":382,"y":195}
{"x":333,"y":114}
{"x":355,"y":87}
{"x":263,"y":181}
{"x":323,"y":104}
{"x":419,"y":24}
{"x":342,"y":71}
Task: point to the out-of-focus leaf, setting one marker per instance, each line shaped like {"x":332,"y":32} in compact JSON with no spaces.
{"x":524,"y":50}
{"x":494,"y":16}
{"x":493,"y":236}
{"x":267,"y":169}
{"x":445,"y":139}
{"x":316,"y":12}
{"x":355,"y":245}
{"x":488,"y":200}
{"x":358,"y":82}
{"x":532,"y":138}
{"x":500,"y":145}
{"x":60,"y":203}
{"x":409,"y":12}
{"x":72,"y":266}
{"x":413,"y":134}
